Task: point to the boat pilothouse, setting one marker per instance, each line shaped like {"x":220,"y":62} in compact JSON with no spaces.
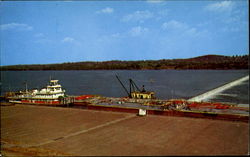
{"x":51,"y":94}
{"x":53,"y":90}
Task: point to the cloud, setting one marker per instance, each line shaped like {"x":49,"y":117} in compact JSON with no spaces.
{"x":138,"y":16}
{"x":182,"y":28}
{"x":173,"y":24}
{"x":136,"y":31}
{"x":68,"y":40}
{"x":220,"y":6}
{"x":116,"y":35}
{"x":16,"y":26}
{"x":107,"y":10}
{"x":232,"y":15}
{"x":155,"y":1}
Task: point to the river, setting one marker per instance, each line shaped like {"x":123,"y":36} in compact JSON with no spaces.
{"x":166,"y":84}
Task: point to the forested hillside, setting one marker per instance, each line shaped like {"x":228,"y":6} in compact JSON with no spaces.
{"x":201,"y":62}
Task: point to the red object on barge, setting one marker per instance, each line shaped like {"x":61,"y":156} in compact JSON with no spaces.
{"x":178,"y":113}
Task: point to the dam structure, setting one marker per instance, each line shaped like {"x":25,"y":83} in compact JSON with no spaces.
{"x":207,"y":95}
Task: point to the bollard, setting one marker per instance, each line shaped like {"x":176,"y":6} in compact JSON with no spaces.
{"x":142,"y":112}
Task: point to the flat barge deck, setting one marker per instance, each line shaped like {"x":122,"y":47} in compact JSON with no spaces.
{"x":157,"y":110}
{"x":179,"y":108}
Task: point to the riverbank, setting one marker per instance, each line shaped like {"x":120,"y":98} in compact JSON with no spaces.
{"x":200,"y":62}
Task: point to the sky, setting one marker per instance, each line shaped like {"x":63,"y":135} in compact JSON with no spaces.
{"x":43,"y":32}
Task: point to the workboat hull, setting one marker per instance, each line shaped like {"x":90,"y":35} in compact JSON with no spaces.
{"x":40,"y":102}
{"x":53,"y":102}
{"x":178,"y":113}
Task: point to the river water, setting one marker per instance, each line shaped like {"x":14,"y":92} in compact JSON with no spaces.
{"x":238,"y":94}
{"x":166,"y":84}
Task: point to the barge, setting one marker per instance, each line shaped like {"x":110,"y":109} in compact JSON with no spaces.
{"x":172,"y":107}
{"x":137,"y":101}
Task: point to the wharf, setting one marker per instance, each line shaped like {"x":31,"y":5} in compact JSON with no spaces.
{"x":28,"y":130}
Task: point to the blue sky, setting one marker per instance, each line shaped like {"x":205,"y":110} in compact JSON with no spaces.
{"x":70,"y":31}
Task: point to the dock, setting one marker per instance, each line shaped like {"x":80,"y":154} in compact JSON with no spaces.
{"x":55,"y":131}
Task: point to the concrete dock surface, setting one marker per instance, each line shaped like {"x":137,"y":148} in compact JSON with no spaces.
{"x":54,"y":131}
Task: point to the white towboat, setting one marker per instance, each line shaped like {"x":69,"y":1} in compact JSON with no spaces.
{"x":52,"y":94}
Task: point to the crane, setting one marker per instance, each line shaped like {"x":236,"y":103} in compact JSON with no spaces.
{"x":135,"y":92}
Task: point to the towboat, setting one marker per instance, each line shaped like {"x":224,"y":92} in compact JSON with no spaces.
{"x":51,"y":94}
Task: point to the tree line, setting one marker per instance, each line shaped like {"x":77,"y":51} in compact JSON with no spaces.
{"x":202,"y":62}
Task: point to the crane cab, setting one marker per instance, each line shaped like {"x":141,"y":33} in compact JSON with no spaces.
{"x":142,"y":95}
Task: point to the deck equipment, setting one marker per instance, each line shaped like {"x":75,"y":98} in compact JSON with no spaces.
{"x":135,"y":92}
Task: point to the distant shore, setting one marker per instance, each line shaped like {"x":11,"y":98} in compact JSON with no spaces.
{"x":217,"y":62}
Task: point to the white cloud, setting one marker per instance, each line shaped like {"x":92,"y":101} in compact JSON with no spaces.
{"x":232,"y":16}
{"x":16,"y":26}
{"x":68,"y":40}
{"x":155,"y":1}
{"x":194,"y":32}
{"x":138,"y":16}
{"x":220,"y":6}
{"x":173,"y":24}
{"x":136,"y":31}
{"x":107,"y":10}
{"x":182,"y":28}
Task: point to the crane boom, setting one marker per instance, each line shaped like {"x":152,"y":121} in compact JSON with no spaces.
{"x":132,"y":83}
{"x":123,"y":86}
